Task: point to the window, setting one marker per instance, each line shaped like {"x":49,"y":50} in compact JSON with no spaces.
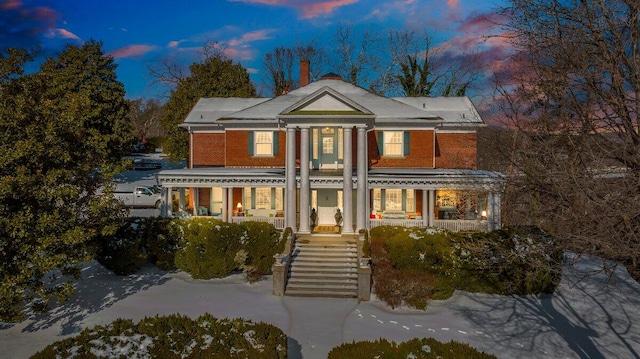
{"x":410,"y":200}
{"x":377,"y":199}
{"x":393,"y":200}
{"x":393,"y":143}
{"x":216,"y":200}
{"x":263,"y":198}
{"x":264,"y":143}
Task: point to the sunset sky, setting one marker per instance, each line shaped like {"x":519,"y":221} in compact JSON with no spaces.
{"x":142,"y":32}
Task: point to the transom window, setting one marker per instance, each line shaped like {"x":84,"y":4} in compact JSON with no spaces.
{"x":264,"y":143}
{"x":393,"y":143}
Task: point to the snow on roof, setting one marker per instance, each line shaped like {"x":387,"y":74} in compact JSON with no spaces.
{"x":208,"y":110}
{"x":450,"y":110}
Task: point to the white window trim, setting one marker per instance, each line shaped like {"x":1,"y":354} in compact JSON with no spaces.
{"x":256,"y":135}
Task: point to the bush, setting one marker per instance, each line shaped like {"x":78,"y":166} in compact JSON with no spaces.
{"x":123,"y":252}
{"x":161,"y":240}
{"x":208,"y":247}
{"x":261,"y":241}
{"x":136,"y":242}
{"x":414,"y":348}
{"x":174,"y":336}
{"x":412,"y":265}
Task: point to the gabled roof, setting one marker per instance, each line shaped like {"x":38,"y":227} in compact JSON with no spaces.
{"x":381,"y":107}
{"x":334,"y":98}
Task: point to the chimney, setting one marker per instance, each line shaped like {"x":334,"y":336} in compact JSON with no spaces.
{"x":304,"y":73}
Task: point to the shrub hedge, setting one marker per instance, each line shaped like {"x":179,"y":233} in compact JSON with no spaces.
{"x":204,"y":247}
{"x":173,"y":336}
{"x":209,"y":248}
{"x":413,"y":265}
{"x":136,"y":242}
{"x":414,"y":348}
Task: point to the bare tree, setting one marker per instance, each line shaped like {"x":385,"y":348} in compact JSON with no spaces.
{"x":144,"y":116}
{"x":170,"y":72}
{"x":573,"y":103}
{"x":279,"y":66}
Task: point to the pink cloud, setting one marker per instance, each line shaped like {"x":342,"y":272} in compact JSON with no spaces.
{"x":175,"y":43}
{"x":11,"y":5}
{"x":131,"y":51}
{"x":250,"y":37}
{"x":308,"y":9}
{"x":452,"y":4}
{"x":481,"y":22}
{"x":326,"y":7}
{"x":64,"y":34}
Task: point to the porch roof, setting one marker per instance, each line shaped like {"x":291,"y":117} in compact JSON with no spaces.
{"x":376,"y":178}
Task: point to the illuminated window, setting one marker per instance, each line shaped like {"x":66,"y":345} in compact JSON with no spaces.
{"x":264,"y":143}
{"x":393,"y":143}
{"x":393,"y":199}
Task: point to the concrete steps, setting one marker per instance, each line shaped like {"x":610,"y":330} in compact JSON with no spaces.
{"x":323,"y":267}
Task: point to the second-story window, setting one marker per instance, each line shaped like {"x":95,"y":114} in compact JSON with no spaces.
{"x":264,"y":143}
{"x":393,"y":143}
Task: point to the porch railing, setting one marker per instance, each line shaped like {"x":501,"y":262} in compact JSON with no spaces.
{"x":377,"y":222}
{"x":277,"y":222}
{"x":452,"y":225}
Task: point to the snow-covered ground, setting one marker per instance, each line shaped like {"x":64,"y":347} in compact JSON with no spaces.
{"x":586,"y":318}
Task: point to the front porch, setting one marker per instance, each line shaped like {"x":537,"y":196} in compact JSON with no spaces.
{"x":456,"y":200}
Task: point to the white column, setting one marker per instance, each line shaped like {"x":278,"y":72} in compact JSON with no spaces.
{"x":229,"y":204}
{"x":362,"y":209}
{"x":347,"y":188}
{"x":225,"y":212}
{"x":432,"y":204}
{"x":305,"y":190}
{"x":165,"y":206}
{"x":181,"y":199}
{"x":196,"y":200}
{"x":425,"y":208}
{"x":290,"y":180}
{"x":497,"y":220}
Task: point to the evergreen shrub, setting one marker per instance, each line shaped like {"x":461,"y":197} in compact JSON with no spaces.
{"x":412,"y":265}
{"x":136,"y":242}
{"x":260,"y":241}
{"x":415,"y":348}
{"x":173,"y":336}
{"x":208,"y":247}
{"x":123,"y":252}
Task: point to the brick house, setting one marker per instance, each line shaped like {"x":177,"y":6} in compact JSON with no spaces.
{"x":298,"y":159}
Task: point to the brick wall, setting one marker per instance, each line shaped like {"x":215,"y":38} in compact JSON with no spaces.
{"x":420,"y":151}
{"x":208,"y":149}
{"x":456,"y":150}
{"x":238,"y":151}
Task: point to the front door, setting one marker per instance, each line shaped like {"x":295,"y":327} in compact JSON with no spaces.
{"x":328,"y":148}
{"x":328,"y":201}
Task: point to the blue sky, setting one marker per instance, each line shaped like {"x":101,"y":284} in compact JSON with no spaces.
{"x":139,"y":33}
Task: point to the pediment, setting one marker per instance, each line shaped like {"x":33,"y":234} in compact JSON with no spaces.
{"x":326,"y":101}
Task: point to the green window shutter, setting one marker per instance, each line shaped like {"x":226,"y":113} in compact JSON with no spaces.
{"x":404,"y":198}
{"x":381,"y":143}
{"x":251,"y":144}
{"x":273,"y":197}
{"x":406,"y":143}
{"x":276,"y":142}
